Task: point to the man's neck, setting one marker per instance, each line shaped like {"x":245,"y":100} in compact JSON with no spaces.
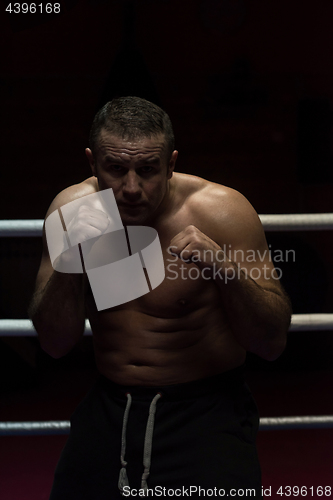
{"x":165,"y":206}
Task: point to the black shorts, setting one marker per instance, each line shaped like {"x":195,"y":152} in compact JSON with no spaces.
{"x":203,"y":437}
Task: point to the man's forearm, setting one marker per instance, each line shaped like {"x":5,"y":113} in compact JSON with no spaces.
{"x":259,"y":317}
{"x":58,"y":314}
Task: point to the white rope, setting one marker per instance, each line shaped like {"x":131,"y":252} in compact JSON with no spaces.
{"x":24,"y":328}
{"x":17,"y":328}
{"x":53,"y":427}
{"x":310,"y":322}
{"x":21,"y":227}
{"x":271,"y":222}
{"x":304,"y":422}
{"x":299,"y":322}
{"x":297,"y":222}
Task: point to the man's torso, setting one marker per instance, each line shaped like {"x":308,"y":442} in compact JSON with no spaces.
{"x":178,"y":332}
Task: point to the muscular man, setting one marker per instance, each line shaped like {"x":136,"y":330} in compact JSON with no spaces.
{"x":177,"y":353}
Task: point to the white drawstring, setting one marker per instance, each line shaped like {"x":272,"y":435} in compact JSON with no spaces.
{"x":123,"y":479}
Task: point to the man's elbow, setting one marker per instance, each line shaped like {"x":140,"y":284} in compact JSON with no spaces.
{"x":272,"y":349}
{"x":53,"y":349}
{"x":56,"y":345}
{"x":57,"y":342}
{"x":275,"y":351}
{"x":275,"y":336}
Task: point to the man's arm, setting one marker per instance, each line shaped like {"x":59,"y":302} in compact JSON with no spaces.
{"x":57,"y":311}
{"x":57,"y":308}
{"x":259,"y":314}
{"x":257,"y":308}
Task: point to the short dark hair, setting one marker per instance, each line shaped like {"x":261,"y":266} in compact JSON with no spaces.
{"x":131,"y":118}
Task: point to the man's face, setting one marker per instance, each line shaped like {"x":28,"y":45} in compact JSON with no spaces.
{"x":137,"y":171}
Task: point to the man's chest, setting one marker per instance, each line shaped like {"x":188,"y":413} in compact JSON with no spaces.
{"x":183,"y":287}
{"x":186,"y":286}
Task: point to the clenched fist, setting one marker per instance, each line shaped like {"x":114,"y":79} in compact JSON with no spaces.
{"x":193,"y":246}
{"x":87,"y":223}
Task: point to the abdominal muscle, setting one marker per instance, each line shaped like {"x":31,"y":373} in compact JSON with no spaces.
{"x":135,"y":346}
{"x":176,"y":333}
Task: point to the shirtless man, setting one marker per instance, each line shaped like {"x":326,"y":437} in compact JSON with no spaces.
{"x":178,"y":350}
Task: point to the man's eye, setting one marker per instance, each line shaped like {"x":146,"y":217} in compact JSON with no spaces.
{"x":146,"y":169}
{"x":117,"y":168}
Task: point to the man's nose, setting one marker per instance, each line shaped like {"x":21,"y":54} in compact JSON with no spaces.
{"x":131,"y":186}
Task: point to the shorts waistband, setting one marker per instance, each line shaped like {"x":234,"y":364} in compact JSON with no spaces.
{"x":224,"y":381}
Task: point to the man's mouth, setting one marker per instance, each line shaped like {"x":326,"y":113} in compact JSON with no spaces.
{"x":131,"y":206}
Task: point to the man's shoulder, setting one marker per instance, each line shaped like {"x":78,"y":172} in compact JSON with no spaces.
{"x":71,"y":193}
{"x":206,"y":195}
{"x":213,"y":205}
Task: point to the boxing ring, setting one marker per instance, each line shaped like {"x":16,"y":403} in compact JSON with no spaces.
{"x":300,"y":322}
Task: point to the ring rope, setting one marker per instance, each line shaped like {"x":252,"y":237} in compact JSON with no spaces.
{"x":309,"y":322}
{"x":303,"y":422}
{"x":271,"y":222}
{"x":51,"y":427}
{"x":62,"y":427}
{"x":297,"y":222}
{"x":20,"y":227}
{"x":25,"y":328}
{"x":299,"y":322}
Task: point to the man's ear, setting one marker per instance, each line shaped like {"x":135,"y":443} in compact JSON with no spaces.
{"x":91,"y":161}
{"x":172,"y":163}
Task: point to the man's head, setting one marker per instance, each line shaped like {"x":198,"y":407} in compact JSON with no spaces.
{"x":132,"y":118}
{"x":131,"y":151}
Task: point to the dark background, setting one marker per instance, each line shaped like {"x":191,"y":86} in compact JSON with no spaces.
{"x":248,"y":85}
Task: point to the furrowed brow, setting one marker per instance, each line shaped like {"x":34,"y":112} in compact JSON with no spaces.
{"x":114,"y":159}
{"x":153,"y":159}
